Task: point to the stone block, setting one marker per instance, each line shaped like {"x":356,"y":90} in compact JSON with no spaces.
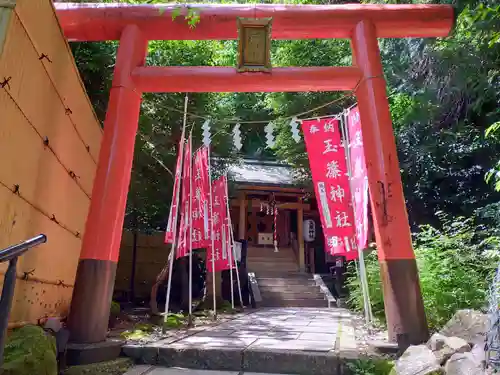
{"x":266,"y":334}
{"x":139,"y":370}
{"x":290,"y":362}
{"x":227,"y":359}
{"x":463,"y":364}
{"x":326,"y":337}
{"x":284,"y":344}
{"x":185,"y":371}
{"x":215,"y":333}
{"x":469,"y":325}
{"x":417,"y":360}
{"x":444,"y":347}
{"x":201,"y":342}
{"x":83,"y":354}
{"x":145,"y":354}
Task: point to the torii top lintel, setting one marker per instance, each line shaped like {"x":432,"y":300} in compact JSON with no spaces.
{"x":98,"y":22}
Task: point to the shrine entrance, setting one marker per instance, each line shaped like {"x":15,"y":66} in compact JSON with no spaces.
{"x":135,"y":25}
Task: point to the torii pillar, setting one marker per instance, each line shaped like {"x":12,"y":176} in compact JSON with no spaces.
{"x":403,"y":302}
{"x":95,"y":276}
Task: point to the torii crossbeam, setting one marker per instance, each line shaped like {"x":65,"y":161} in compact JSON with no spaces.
{"x":135,"y":25}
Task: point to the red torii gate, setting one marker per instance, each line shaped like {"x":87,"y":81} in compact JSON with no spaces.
{"x":135,"y":25}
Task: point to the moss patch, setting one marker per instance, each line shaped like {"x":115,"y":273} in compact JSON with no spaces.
{"x":117,"y":367}
{"x":175,"y":321}
{"x":29,"y":350}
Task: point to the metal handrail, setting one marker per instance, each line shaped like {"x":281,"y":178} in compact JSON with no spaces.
{"x":11,"y":254}
{"x":17,"y":250}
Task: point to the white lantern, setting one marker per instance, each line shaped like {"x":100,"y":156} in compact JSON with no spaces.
{"x":309,"y":230}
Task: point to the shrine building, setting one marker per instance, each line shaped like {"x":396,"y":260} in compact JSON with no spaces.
{"x":257,"y":187}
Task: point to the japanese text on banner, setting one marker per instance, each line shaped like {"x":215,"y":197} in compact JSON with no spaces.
{"x":183,"y":243}
{"x":200,"y":200}
{"x":221,"y":237}
{"x":359,"y":179}
{"x":331,"y":184}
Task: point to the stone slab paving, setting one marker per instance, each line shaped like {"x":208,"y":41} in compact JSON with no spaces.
{"x":151,"y":370}
{"x":278,"y":340}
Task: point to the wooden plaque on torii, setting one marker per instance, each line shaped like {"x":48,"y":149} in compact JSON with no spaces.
{"x":254,"y":44}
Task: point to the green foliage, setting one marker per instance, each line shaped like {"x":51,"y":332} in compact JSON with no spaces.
{"x":444,"y":94}
{"x":29,"y":350}
{"x":175,"y":321}
{"x":450,"y":260}
{"x":493,"y":175}
{"x":370,"y":367}
{"x":115,"y":308}
{"x":355,"y":299}
{"x":116,"y":367}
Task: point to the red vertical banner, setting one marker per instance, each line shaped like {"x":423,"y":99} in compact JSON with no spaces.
{"x":359,"y":178}
{"x":228,"y":226}
{"x":170,"y":232}
{"x":219,"y":213}
{"x":183,"y":244}
{"x":331,"y":184}
{"x":200,"y":204}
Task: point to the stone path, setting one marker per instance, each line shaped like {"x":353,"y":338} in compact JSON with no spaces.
{"x":151,"y":370}
{"x":281,"y":340}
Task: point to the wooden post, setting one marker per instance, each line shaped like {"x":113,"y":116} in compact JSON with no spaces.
{"x":242,"y":226}
{"x":403,"y":302}
{"x":300,"y":239}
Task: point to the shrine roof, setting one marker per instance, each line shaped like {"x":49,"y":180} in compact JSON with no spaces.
{"x":258,"y":172}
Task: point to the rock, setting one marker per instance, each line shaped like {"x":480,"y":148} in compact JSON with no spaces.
{"x":54,"y":324}
{"x":463,"y":364}
{"x":30,"y":350}
{"x":436,"y":342}
{"x":417,"y":360}
{"x":469,"y":325}
{"x":444,"y":347}
{"x":479,"y":354}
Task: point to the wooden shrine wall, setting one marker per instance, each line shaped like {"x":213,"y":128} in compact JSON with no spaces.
{"x":151,"y":257}
{"x":49,"y":145}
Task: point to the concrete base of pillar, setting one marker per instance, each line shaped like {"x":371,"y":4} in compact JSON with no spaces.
{"x":84,"y":354}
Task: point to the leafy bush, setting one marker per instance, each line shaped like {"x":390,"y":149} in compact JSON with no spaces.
{"x":370,"y":367}
{"x":455,"y":264}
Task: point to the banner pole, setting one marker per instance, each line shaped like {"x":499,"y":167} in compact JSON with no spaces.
{"x":233,"y":250}
{"x":230,"y":241}
{"x":229,"y":251}
{"x":212,"y":231}
{"x":362,"y":270}
{"x":236,"y":264}
{"x":174,"y":240}
{"x":190,"y":313}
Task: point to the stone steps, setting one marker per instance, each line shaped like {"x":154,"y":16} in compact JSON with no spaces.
{"x":290,"y":294}
{"x":293,"y":302}
{"x":260,"y":269}
{"x":280,"y":282}
{"x":268,"y":280}
{"x":287,"y":288}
